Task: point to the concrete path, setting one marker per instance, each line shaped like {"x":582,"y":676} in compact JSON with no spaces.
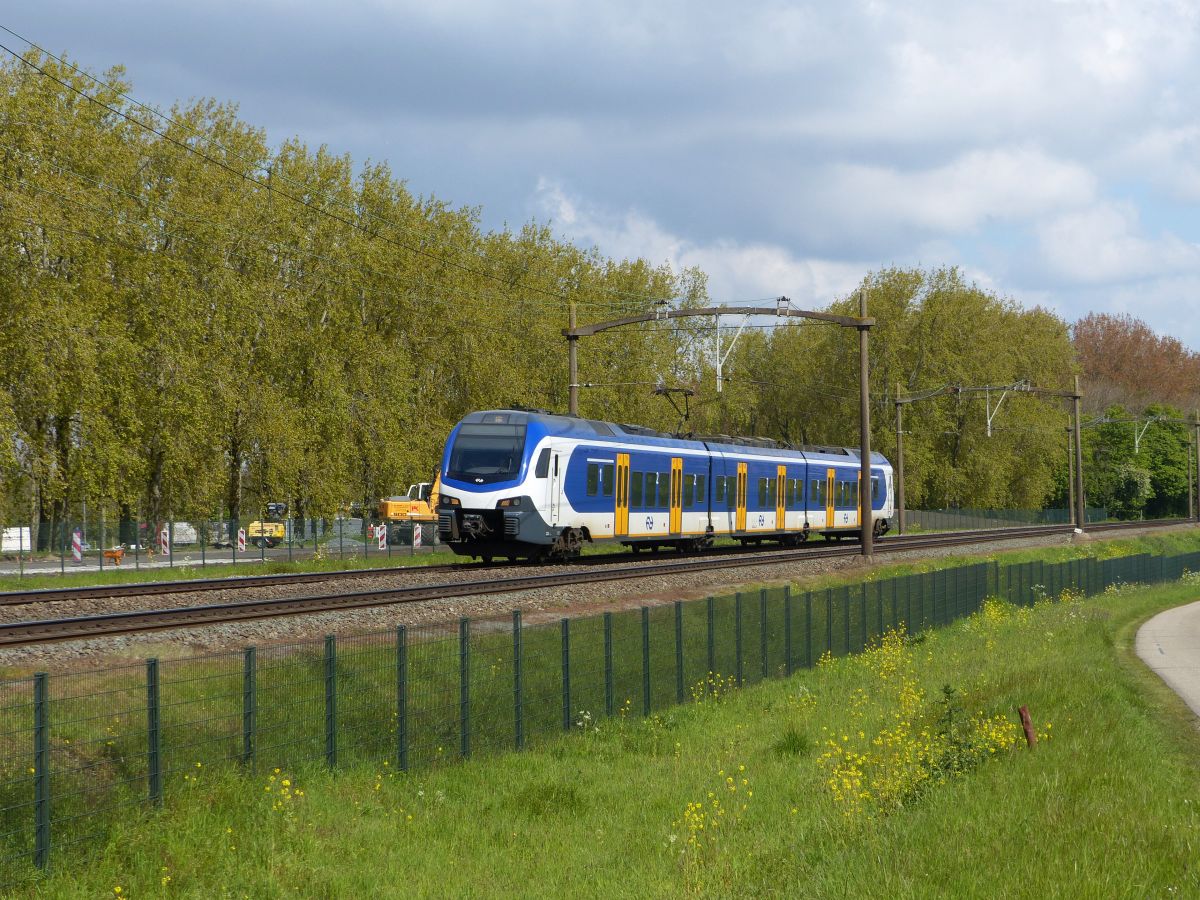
{"x":1170,"y":645}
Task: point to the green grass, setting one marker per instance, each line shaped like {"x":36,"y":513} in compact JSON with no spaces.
{"x":1106,"y":808}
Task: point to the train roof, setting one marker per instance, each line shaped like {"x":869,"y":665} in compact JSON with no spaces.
{"x":578,"y":427}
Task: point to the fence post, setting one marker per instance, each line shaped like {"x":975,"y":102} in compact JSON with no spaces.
{"x":608,"y":665}
{"x":678,"y":652}
{"x":464,"y":685}
{"x":737,"y":632}
{"x":153,"y":733}
{"x":862,"y":643}
{"x":41,"y":770}
{"x":249,"y":707}
{"x":808,"y":660}
{"x":401,"y":697}
{"x":763,"y":632}
{"x":787,"y":629}
{"x":710,"y":604}
{"x":330,"y":701}
{"x":566,"y":674}
{"x":645,"y":660}
{"x":829,"y":621}
{"x":518,"y":687}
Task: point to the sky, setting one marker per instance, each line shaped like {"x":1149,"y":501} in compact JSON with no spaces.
{"x":1049,"y":148}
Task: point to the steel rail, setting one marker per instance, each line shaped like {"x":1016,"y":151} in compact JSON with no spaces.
{"x":237,"y":582}
{"x":110,"y":624}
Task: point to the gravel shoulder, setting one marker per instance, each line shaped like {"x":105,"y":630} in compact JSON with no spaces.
{"x":541,"y":605}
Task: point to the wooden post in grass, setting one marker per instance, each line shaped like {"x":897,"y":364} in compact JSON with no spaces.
{"x":1027,"y":726}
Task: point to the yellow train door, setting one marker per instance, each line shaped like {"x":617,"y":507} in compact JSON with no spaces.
{"x":858,"y":491}
{"x":830,"y":499}
{"x":780,"y":497}
{"x":621,"y":526}
{"x":676,"y":495}
{"x":740,"y":518}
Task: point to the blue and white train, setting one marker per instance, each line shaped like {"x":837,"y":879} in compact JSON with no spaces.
{"x":525,"y":484}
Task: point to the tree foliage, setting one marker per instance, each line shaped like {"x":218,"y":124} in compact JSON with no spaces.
{"x":194,"y":322}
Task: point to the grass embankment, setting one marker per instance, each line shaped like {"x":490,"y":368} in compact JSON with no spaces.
{"x":858,"y":778}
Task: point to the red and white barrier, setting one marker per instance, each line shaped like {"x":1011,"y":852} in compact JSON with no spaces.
{"x":164,"y":540}
{"x":77,"y":545}
{"x":241,"y":540}
{"x":416,"y":535}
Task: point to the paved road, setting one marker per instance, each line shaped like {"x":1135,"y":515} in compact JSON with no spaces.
{"x":1170,"y":645}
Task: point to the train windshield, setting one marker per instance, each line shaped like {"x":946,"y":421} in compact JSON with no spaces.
{"x":486,"y":453}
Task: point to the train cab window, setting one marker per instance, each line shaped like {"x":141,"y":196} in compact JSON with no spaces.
{"x":701,"y":497}
{"x":607,"y":480}
{"x":719,"y":488}
{"x":762,"y":492}
{"x":689,"y":490}
{"x":635,"y":489}
{"x":543,"y":464}
{"x":593,"y":479}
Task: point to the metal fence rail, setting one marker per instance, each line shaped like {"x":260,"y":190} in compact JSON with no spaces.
{"x":973,"y":519}
{"x":78,"y":750}
{"x":88,"y":540}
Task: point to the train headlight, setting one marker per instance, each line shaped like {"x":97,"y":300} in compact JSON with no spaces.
{"x":509,"y":502}
{"x":448,"y":501}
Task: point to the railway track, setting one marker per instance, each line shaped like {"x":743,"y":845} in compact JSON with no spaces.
{"x":239,"y":582}
{"x":121,"y":623}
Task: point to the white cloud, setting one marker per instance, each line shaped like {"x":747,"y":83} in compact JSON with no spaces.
{"x":736,"y":271}
{"x":981,"y":185}
{"x":1104,"y":244}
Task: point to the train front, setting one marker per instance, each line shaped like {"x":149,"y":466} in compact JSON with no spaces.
{"x":486,"y":508}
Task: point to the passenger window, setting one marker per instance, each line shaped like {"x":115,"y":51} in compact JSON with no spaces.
{"x":791,"y":493}
{"x":701,"y":497}
{"x":606,"y":480}
{"x":772,"y":491}
{"x":762,"y":492}
{"x":593,"y":479}
{"x":635,"y":488}
{"x":543,"y":464}
{"x":689,"y":490}
{"x":876,"y":489}
{"x":719,"y":487}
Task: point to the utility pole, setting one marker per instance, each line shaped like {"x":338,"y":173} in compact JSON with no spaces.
{"x":572,"y":361}
{"x":865,"y":493}
{"x":1191,"y":508}
{"x":1196,"y":417}
{"x":899,"y":462}
{"x":1070,"y":472}
{"x":1080,"y":517}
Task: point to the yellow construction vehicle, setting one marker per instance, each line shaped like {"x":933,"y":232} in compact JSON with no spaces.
{"x":418,"y":507}
{"x":271,"y":531}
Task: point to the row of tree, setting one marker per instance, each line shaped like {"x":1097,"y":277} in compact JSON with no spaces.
{"x":194,"y":322}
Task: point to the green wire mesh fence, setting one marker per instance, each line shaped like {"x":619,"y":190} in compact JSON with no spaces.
{"x":80,"y":750}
